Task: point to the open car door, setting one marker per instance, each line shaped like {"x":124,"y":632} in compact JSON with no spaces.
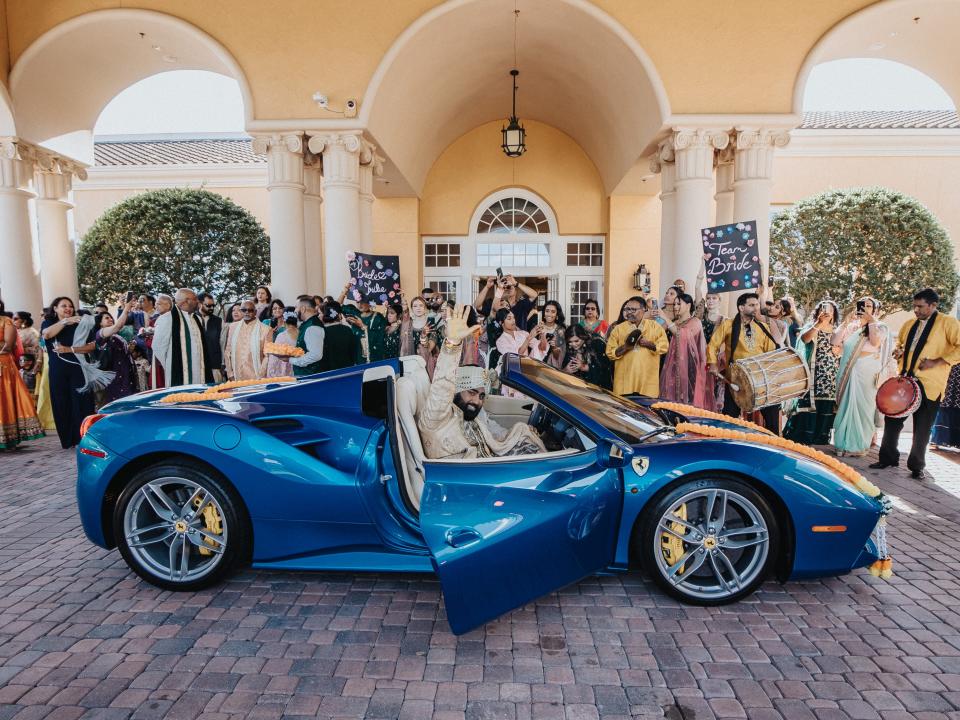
{"x":505,"y":531}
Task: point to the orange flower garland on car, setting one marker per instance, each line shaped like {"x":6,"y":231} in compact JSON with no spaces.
{"x":232,"y":384}
{"x":881,"y":568}
{"x":693,"y":411}
{"x":196,"y":396}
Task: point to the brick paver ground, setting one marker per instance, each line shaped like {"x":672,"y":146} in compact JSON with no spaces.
{"x":82,"y":637}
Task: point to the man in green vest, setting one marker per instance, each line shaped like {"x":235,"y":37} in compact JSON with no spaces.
{"x":309,"y":339}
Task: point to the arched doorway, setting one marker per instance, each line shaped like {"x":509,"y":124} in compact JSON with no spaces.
{"x":515,"y":230}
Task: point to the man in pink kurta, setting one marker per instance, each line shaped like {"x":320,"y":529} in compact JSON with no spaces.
{"x":244,"y":353}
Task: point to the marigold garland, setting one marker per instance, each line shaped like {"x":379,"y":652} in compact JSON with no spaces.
{"x":843,"y":470}
{"x":694,"y":411}
{"x":882,"y":568}
{"x":232,"y":384}
{"x":195,"y":396}
{"x":272,"y":348}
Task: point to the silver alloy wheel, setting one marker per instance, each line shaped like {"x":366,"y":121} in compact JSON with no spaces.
{"x":721,"y":545}
{"x":167,"y":531}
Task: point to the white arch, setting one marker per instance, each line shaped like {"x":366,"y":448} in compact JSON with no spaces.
{"x":590,"y":78}
{"x":888,"y":30}
{"x":8,"y":128}
{"x":62,"y":82}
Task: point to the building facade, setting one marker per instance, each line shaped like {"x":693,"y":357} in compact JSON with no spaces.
{"x":645,"y":122}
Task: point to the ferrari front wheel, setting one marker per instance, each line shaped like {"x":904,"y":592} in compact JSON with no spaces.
{"x":710,"y":541}
{"x":179,"y":527}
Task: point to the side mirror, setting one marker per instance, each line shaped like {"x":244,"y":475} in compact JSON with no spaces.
{"x":613,"y":453}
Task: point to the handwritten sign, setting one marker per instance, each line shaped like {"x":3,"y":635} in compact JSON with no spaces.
{"x":374,"y":278}
{"x":732,"y":257}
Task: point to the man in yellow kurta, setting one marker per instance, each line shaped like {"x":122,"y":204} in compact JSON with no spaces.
{"x":927,"y":348}
{"x":635,"y":347}
{"x":742,"y":336}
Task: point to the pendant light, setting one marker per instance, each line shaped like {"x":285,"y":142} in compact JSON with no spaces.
{"x":514,"y":136}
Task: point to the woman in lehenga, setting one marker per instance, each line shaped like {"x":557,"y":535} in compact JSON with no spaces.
{"x":18,"y":418}
{"x":866,"y":362}
{"x":811,"y":417}
{"x":684,"y":377}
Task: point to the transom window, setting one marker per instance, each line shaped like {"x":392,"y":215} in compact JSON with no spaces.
{"x":513,"y":255}
{"x":441,"y":254}
{"x":585,"y":254}
{"x":513,"y":215}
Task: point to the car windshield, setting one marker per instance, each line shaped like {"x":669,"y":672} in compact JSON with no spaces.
{"x":626,"y":419}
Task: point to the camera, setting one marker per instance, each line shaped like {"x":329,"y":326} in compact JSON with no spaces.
{"x":350,"y":108}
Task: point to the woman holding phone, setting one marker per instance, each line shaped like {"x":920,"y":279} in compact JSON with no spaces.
{"x":865,"y":364}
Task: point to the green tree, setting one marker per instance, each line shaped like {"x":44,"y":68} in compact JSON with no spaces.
{"x":165,"y":239}
{"x":844,"y":244}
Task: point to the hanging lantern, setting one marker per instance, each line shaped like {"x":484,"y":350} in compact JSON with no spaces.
{"x":641,"y":279}
{"x":514,"y":136}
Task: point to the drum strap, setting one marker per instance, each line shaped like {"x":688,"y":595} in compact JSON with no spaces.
{"x":735,"y":334}
{"x":909,"y":363}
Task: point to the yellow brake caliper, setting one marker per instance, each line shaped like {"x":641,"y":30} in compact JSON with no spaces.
{"x":211,"y":518}
{"x":671,"y":545}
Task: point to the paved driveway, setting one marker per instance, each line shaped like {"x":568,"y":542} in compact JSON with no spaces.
{"x":80,"y":636}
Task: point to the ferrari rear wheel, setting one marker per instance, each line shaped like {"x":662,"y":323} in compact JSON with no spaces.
{"x":180,"y":528}
{"x":710,"y":541}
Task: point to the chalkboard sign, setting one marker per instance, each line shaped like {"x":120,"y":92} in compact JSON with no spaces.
{"x":374,"y":278}
{"x":732,"y":257}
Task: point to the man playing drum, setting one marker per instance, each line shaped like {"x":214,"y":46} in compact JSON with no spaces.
{"x":743,"y":336}
{"x":926,"y":348}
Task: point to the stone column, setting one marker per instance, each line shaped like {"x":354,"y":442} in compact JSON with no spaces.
{"x":313,"y":223}
{"x":753,"y":171}
{"x":663,"y":163}
{"x":371,"y":166}
{"x":53,"y":177}
{"x":19,"y":282}
{"x":341,"y":201}
{"x":288,"y":269}
{"x":724,"y":193}
{"x":693,"y":152}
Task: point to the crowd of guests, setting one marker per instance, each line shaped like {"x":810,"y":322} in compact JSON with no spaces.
{"x":679,"y":348}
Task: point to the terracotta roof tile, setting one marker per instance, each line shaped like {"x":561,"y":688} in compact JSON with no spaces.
{"x":882,"y":120}
{"x":137,"y":151}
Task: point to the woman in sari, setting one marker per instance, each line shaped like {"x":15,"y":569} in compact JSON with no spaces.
{"x":18,"y":418}
{"x":115,"y":354}
{"x":864,"y":365}
{"x":586,"y":357}
{"x":684,"y":377}
{"x":591,"y":320}
{"x":812,"y":415}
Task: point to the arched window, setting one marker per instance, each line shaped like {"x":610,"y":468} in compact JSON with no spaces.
{"x":513,"y":215}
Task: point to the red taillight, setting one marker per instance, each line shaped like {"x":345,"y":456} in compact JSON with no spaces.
{"x":88,"y":422}
{"x":93,"y":453}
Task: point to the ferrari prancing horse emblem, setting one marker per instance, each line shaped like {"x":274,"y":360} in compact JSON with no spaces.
{"x":640,"y":465}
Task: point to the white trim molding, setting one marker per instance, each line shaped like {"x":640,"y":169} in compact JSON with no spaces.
{"x":125,"y":177}
{"x":872,"y":143}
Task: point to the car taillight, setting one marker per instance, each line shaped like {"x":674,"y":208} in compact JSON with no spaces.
{"x":88,"y":422}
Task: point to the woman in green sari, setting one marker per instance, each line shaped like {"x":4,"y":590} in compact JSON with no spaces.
{"x":813,"y":414}
{"x":866,"y":362}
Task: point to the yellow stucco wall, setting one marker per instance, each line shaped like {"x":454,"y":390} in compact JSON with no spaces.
{"x":634,"y":239}
{"x":554,"y":167}
{"x":395,"y":232}
{"x":4,"y":44}
{"x":712,"y":55}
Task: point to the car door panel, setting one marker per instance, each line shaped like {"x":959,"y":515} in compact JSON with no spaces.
{"x":503,"y":533}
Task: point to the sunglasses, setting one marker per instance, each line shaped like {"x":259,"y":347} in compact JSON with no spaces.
{"x":209,"y":307}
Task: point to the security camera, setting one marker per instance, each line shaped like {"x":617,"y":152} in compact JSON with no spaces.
{"x":320,"y":99}
{"x":350,"y":109}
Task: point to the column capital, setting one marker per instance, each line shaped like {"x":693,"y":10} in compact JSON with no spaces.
{"x":53,"y":175}
{"x":284,"y":153}
{"x":342,"y":155}
{"x":694,"y":150}
{"x":16,"y":164}
{"x":755,"y":149}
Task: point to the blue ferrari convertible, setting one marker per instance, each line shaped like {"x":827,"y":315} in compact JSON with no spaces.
{"x":328,"y":473}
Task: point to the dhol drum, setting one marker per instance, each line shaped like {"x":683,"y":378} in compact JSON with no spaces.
{"x":899,"y":396}
{"x":769,"y":379}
